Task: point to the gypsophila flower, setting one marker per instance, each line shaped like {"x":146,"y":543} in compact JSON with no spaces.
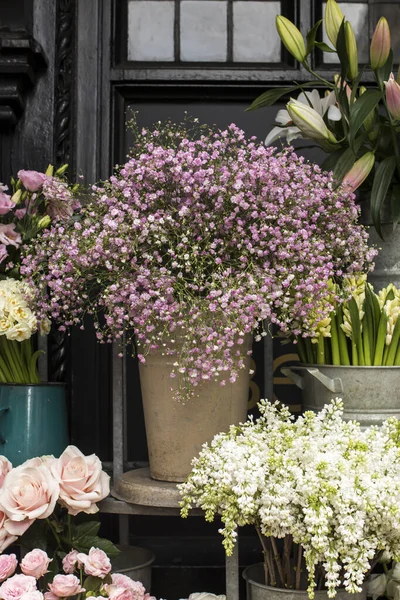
{"x":331,"y":486}
{"x":198,"y":241}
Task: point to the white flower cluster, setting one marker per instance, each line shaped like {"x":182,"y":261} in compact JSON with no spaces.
{"x":17,"y":321}
{"x":333,"y":487}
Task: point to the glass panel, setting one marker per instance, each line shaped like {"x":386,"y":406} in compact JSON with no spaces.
{"x":204,"y":30}
{"x":357,"y":14}
{"x":151,"y":30}
{"x":255,"y":38}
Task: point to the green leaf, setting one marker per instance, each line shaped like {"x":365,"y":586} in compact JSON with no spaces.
{"x":270,"y":97}
{"x":395,"y":205}
{"x":92,"y":583}
{"x":324,"y":47}
{"x":86,"y":542}
{"x":360,"y":110}
{"x":35,"y":536}
{"x":342,"y":52}
{"x":311,"y":35}
{"x":382,"y":180}
{"x":344,"y":164}
{"x":89,"y":528}
{"x":383,"y":73}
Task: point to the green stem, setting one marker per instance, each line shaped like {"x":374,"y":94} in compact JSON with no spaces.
{"x":12,"y":362}
{"x":394,"y":345}
{"x":56,"y":536}
{"x":354,"y":353}
{"x":335,"y":341}
{"x":343,"y":347}
{"x":367,"y":349}
{"x":380,"y":339}
{"x":320,"y":351}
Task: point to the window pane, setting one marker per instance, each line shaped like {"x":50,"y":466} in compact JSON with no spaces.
{"x":151,"y":30}
{"x":203,"y":30}
{"x":255,"y":38}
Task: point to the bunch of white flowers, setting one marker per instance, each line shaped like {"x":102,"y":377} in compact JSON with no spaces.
{"x":322,"y":482}
{"x":17,"y":321}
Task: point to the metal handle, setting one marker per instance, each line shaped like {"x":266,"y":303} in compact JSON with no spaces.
{"x":333,"y":385}
{"x":297,"y":379}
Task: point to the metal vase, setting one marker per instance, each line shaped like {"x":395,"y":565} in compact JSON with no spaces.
{"x":370,"y":394}
{"x":257,"y":590}
{"x":134,"y":562}
{"x":33,"y":420}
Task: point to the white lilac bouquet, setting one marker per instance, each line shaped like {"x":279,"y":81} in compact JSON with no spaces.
{"x":83,"y":576}
{"x":364,"y":330}
{"x":33,"y":202}
{"x":201,"y":237}
{"x":18,"y":323}
{"x":358,"y":126}
{"x":323,"y":495}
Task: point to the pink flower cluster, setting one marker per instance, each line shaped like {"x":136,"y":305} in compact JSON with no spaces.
{"x":34,"y":565}
{"x":31,"y":491}
{"x":194,"y":243}
{"x":35,"y":200}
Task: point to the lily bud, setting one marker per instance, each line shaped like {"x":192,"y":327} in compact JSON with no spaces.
{"x":310,"y":123}
{"x":359,"y":171}
{"x":44,"y":222}
{"x":61,"y":170}
{"x":17,"y":196}
{"x":291,"y":38}
{"x":393,"y":96}
{"x":351,"y":49}
{"x":333,"y":20}
{"x":49,"y":171}
{"x":380,"y":44}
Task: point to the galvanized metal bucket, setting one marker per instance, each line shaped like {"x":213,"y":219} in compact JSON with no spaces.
{"x":257,"y":590}
{"x":134,"y":562}
{"x":370,"y":394}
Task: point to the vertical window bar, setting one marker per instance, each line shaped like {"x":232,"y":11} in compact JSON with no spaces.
{"x":229,"y":28}
{"x":177,"y":31}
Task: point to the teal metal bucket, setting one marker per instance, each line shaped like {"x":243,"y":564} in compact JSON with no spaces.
{"x":33,"y":421}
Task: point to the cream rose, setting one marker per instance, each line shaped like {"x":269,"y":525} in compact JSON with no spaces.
{"x":81,"y":479}
{"x":5,"y":467}
{"x":28,"y":493}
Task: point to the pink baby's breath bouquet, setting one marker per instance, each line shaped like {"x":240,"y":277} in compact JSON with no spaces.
{"x":201,"y":238}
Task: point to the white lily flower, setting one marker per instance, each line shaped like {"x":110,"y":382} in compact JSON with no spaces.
{"x":376,"y":585}
{"x":291,"y":132}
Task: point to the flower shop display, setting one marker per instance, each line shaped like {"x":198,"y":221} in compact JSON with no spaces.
{"x":357,"y":126}
{"x":355,"y":352}
{"x":196,"y":242}
{"x":34,"y":415}
{"x":322,"y":493}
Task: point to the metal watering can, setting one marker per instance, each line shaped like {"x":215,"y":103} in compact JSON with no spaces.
{"x":370,"y":394}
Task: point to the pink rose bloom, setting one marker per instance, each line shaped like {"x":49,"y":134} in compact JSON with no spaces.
{"x":148,"y":597}
{"x":50,"y":596}
{"x":96,"y":563}
{"x":6,"y":539}
{"x":127,"y":591}
{"x":64,"y":586}
{"x":31,"y":180}
{"x":28,"y":493}
{"x":35,"y":563}
{"x":6,"y":204}
{"x":36,"y":595}
{"x":5,"y":466}
{"x":70,"y":561}
{"x":8,"y":564}
{"x":16,"y":586}
{"x":81,"y":479}
{"x":123,"y":581}
{"x":8,"y":235}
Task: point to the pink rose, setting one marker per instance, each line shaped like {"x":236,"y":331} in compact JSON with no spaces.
{"x":36,"y":595}
{"x":14,"y":587}
{"x":8,"y":564}
{"x":28,"y":493}
{"x":6,"y":204}
{"x":124,"y":590}
{"x":50,"y":596}
{"x":123,"y":581}
{"x":81,"y":479}
{"x":35,"y":563}
{"x":70,"y":560}
{"x":5,"y":466}
{"x":8,"y":235}
{"x":64,"y":586}
{"x":96,"y":563}
{"x":5,"y":538}
{"x":31,"y":180}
